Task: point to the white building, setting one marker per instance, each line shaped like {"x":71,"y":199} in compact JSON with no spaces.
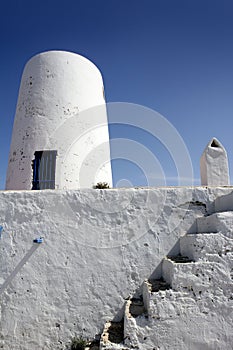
{"x":60,"y":137}
{"x":155,"y":264}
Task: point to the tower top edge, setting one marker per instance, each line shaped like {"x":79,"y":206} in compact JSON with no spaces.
{"x":53,"y":54}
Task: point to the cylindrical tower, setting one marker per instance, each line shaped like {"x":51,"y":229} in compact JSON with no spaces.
{"x":60,"y":136}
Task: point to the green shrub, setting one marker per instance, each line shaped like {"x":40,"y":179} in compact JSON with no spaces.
{"x":78,"y":343}
{"x":101,"y":185}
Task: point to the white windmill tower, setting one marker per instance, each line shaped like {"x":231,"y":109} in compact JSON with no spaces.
{"x":60,"y":136}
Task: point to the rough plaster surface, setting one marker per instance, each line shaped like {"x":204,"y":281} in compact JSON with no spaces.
{"x":61,"y":107}
{"x":99,"y":246}
{"x":214,"y":166}
{"x":197,"y":311}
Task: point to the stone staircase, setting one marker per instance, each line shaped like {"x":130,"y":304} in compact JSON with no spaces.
{"x":191,"y":306}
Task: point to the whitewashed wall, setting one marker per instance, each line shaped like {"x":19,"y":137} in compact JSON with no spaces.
{"x":99,"y":246}
{"x":61,"y":107}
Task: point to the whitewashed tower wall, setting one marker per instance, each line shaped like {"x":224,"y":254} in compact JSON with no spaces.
{"x":57,"y":111}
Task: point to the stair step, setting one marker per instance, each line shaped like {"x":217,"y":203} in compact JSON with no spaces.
{"x":167,"y":304}
{"x":224,"y":203}
{"x":116,"y":332}
{"x":180,"y":259}
{"x":136,"y":307}
{"x":217,"y":222}
{"x":94,"y":345}
{"x":159,"y":284}
{"x":112,"y":336}
{"x":199,"y":246}
{"x":188,"y":276}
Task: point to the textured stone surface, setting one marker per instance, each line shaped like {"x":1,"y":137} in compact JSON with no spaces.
{"x":200,"y":246}
{"x":224,"y":203}
{"x":214,"y":166}
{"x":61,"y":107}
{"x":217,"y":222}
{"x":99,"y":246}
{"x":195,"y":313}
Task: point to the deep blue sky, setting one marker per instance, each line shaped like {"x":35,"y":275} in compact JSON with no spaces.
{"x":173,"y":56}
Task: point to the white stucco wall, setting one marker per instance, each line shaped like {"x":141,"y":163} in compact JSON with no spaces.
{"x":61,"y":107}
{"x":99,"y":246}
{"x":196,"y":311}
{"x":214,"y":168}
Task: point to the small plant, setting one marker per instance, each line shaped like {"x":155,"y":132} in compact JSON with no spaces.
{"x":78,"y":343}
{"x":101,"y":185}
